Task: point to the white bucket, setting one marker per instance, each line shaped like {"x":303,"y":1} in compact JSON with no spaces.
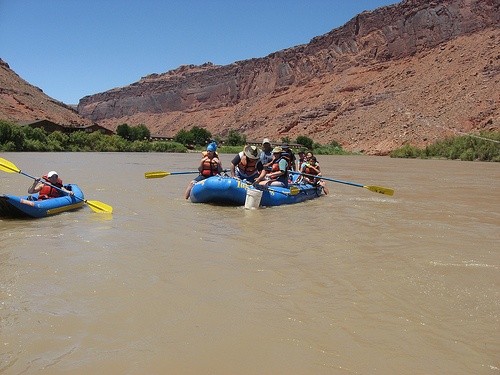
{"x":253,"y":198}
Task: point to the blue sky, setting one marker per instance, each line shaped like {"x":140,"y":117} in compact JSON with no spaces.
{"x":73,"y":48}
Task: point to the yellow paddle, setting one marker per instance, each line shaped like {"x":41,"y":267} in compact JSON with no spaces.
{"x":96,"y":206}
{"x":294,"y":190}
{"x":376,"y":189}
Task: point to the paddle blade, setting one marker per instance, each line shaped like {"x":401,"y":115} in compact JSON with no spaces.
{"x":99,"y":207}
{"x":380,"y":189}
{"x":294,"y":190}
{"x":156,"y":174}
{"x":8,"y":167}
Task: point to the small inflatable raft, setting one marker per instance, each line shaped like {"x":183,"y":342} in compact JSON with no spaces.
{"x":29,"y":206}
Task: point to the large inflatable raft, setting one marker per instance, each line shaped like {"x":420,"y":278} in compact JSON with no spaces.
{"x":29,"y":206}
{"x":231,"y":191}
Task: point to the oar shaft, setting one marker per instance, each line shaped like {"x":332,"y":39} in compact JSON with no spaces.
{"x":161,"y":174}
{"x":329,"y":179}
{"x":188,"y":172}
{"x":192,"y":172}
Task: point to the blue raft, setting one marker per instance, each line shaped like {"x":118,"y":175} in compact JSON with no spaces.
{"x":28,"y":206}
{"x":231,"y":191}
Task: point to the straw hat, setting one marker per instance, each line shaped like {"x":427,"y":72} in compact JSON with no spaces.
{"x":251,"y":152}
{"x":277,"y":149}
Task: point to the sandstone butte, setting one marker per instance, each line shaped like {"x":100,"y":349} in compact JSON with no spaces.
{"x":411,"y":73}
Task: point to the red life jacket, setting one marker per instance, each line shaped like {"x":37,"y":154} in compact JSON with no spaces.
{"x":310,"y":170}
{"x":48,"y":191}
{"x":210,"y":167}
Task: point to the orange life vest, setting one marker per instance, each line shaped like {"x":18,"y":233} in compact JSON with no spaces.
{"x":248,"y":166}
{"x":310,"y":170}
{"x":48,"y":191}
{"x":210,"y":167}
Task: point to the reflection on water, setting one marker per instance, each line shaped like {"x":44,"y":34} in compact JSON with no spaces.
{"x":353,"y":282}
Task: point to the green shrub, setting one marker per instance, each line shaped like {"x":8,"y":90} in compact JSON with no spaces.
{"x":334,"y":148}
{"x":407,"y":151}
{"x":229,"y":149}
{"x":38,"y":134}
{"x":468,"y":148}
{"x":36,"y":145}
{"x":12,"y":137}
{"x":8,"y":146}
{"x":286,"y":140}
{"x":160,"y":146}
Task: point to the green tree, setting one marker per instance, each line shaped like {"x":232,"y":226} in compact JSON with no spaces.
{"x":37,"y":134}
{"x":80,"y":141}
{"x":194,"y":136}
{"x":184,"y":137}
{"x":139,"y":133}
{"x":234,"y":138}
{"x":123,"y":131}
{"x":57,"y":141}
{"x":305,"y":141}
{"x":200,"y":136}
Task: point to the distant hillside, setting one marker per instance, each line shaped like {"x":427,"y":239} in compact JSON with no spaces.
{"x":22,"y":102}
{"x":411,"y":73}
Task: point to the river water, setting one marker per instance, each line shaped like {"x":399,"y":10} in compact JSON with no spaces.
{"x":354,"y":282}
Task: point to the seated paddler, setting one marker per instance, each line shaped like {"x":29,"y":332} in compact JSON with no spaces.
{"x":49,"y":186}
{"x":246,"y":165}
{"x":210,"y":165}
{"x":278,"y":176}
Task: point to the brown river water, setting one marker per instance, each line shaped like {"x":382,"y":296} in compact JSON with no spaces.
{"x":354,"y":282}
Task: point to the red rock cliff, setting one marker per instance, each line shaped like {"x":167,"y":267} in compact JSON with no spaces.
{"x":409,"y":73}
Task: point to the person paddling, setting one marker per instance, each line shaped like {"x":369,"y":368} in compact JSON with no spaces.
{"x":311,"y":168}
{"x":47,"y":185}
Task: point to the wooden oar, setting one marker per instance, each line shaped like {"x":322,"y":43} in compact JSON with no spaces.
{"x":96,"y":206}
{"x":376,"y":189}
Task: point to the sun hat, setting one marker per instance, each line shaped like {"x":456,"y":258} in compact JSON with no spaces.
{"x":266,"y":140}
{"x":277,"y":149}
{"x":251,"y":152}
{"x":52,"y":173}
{"x":212,"y":147}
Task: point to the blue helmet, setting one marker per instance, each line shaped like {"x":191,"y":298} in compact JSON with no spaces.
{"x":212,"y":147}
